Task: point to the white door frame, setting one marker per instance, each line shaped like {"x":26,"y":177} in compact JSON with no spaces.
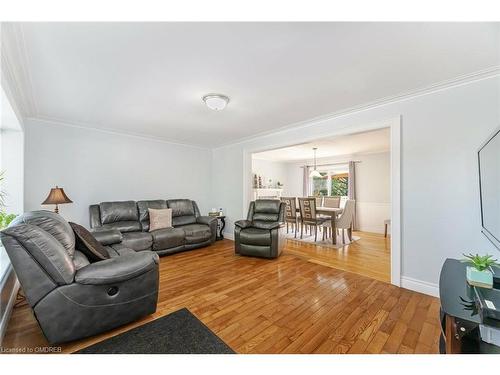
{"x":394,"y":124}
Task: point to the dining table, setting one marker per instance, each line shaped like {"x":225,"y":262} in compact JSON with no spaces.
{"x":332,"y":212}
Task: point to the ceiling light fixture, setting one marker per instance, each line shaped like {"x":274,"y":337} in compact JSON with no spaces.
{"x":217,"y":102}
{"x":315,"y":173}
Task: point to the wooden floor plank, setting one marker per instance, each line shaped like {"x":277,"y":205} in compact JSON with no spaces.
{"x":287,"y":305}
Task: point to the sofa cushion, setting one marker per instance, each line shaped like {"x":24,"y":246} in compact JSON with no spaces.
{"x":263,"y":216}
{"x":196,"y":233}
{"x":266,"y":210}
{"x":107,"y":236}
{"x":111,"y":212}
{"x":45,"y":249}
{"x":255,"y":236}
{"x":87,"y":244}
{"x":167,"y":238}
{"x":270,"y":206}
{"x":118,"y":250}
{"x":181,"y":207}
{"x":143,"y":207}
{"x":160,"y":219}
{"x":137,"y":240}
{"x":183,"y":211}
{"x":124,"y":226}
{"x":80,"y":260}
{"x":52,"y":223}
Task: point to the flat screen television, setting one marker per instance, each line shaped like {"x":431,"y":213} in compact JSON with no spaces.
{"x":489,"y":186}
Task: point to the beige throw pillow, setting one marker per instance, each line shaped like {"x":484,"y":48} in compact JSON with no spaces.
{"x":160,"y":219}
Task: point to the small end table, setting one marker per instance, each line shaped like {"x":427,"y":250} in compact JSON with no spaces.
{"x":221,"y":224}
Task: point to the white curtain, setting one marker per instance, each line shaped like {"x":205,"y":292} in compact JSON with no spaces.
{"x":351,"y":189}
{"x":305,"y":181}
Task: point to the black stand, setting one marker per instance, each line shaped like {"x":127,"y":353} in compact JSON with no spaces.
{"x":460,"y":315}
{"x":221,"y":224}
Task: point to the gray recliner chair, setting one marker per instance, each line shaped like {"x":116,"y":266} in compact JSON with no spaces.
{"x":71,"y":297}
{"x":262,"y":233}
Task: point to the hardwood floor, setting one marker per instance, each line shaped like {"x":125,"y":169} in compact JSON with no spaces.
{"x":369,"y":256}
{"x":287,"y":305}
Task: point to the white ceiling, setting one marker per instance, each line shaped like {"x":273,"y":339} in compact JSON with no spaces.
{"x":360,"y":143}
{"x":148,"y":78}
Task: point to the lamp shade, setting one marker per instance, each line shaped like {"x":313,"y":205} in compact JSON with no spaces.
{"x":57,"y":196}
{"x":315,"y":173}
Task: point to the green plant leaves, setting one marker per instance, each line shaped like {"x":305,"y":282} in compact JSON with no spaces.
{"x":479,"y":262}
{"x":6,"y":219}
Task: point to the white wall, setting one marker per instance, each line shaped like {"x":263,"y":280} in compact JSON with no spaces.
{"x":268,"y":169}
{"x":94,"y":166}
{"x":373,"y":190}
{"x":441,"y":132}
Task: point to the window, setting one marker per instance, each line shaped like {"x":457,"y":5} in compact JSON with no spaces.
{"x":340,"y":184}
{"x":331,"y":183}
{"x":11,"y":164}
{"x":320,"y":185}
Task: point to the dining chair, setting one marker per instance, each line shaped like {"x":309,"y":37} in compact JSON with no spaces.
{"x":319,"y":200}
{"x":331,"y":202}
{"x":291,"y":216}
{"x":345,"y":220}
{"x":308,"y":216}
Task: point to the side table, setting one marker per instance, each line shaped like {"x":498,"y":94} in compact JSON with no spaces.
{"x":221,"y":224}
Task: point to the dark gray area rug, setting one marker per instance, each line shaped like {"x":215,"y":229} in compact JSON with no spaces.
{"x":177,"y":333}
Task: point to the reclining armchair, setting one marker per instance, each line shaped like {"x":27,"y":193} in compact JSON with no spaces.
{"x":72,"y":297}
{"x":262,"y":233}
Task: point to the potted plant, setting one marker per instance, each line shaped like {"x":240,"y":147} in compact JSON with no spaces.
{"x":479,"y":273}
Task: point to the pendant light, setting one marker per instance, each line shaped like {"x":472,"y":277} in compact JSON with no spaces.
{"x":314,"y":173}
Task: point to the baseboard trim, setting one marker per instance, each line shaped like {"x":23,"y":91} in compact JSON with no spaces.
{"x":8,"y":310}
{"x":420,"y":286}
{"x":229,"y":235}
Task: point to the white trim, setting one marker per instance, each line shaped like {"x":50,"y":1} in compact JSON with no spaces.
{"x":395,"y":127}
{"x":407,"y":95}
{"x":15,"y":68}
{"x":229,"y":236}
{"x":420,"y":286}
{"x":17,"y":60}
{"x":396,"y":202}
{"x":8,"y":309}
{"x":62,"y":123}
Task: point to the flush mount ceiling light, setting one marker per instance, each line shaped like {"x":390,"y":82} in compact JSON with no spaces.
{"x":314,"y":173}
{"x":217,"y":102}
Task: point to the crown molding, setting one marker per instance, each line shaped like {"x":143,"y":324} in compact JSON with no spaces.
{"x":407,"y":95}
{"x":15,"y":69}
{"x":91,"y":127}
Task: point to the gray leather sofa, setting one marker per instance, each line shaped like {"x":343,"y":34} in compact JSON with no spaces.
{"x":190,"y":229}
{"x":71,"y":297}
{"x":262,"y":233}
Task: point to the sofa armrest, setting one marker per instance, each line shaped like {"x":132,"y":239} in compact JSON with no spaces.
{"x":243,"y":224}
{"x":115,"y":270}
{"x":107,"y":236}
{"x":207,"y":220}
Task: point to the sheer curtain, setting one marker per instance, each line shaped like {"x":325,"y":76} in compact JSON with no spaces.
{"x":351,"y":190}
